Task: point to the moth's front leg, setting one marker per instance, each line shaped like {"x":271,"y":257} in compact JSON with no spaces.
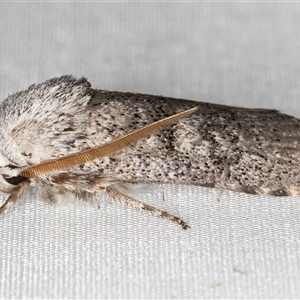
{"x":15,"y":195}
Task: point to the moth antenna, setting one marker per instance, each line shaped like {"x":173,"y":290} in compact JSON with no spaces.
{"x":83,"y":157}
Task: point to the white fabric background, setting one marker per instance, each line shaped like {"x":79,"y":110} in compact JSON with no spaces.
{"x":244,"y":246}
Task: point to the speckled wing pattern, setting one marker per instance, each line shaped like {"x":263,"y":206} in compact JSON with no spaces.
{"x":246,"y":150}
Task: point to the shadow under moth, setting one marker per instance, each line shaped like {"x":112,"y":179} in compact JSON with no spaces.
{"x":69,"y":140}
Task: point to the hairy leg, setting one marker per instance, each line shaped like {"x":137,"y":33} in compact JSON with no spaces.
{"x":140,"y":205}
{"x":15,"y":196}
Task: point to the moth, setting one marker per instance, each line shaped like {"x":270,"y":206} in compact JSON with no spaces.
{"x":69,"y":140}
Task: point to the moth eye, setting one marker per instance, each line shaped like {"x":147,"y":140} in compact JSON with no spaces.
{"x":12,"y":166}
{"x":14,"y":180}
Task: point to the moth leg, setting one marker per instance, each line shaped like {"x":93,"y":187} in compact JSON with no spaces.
{"x":140,"y":205}
{"x":15,"y":196}
{"x":162,"y":191}
{"x":98,"y":200}
{"x":215,"y":194}
{"x":5,"y":191}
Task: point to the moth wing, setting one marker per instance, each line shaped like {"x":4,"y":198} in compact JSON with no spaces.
{"x":248,"y":150}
